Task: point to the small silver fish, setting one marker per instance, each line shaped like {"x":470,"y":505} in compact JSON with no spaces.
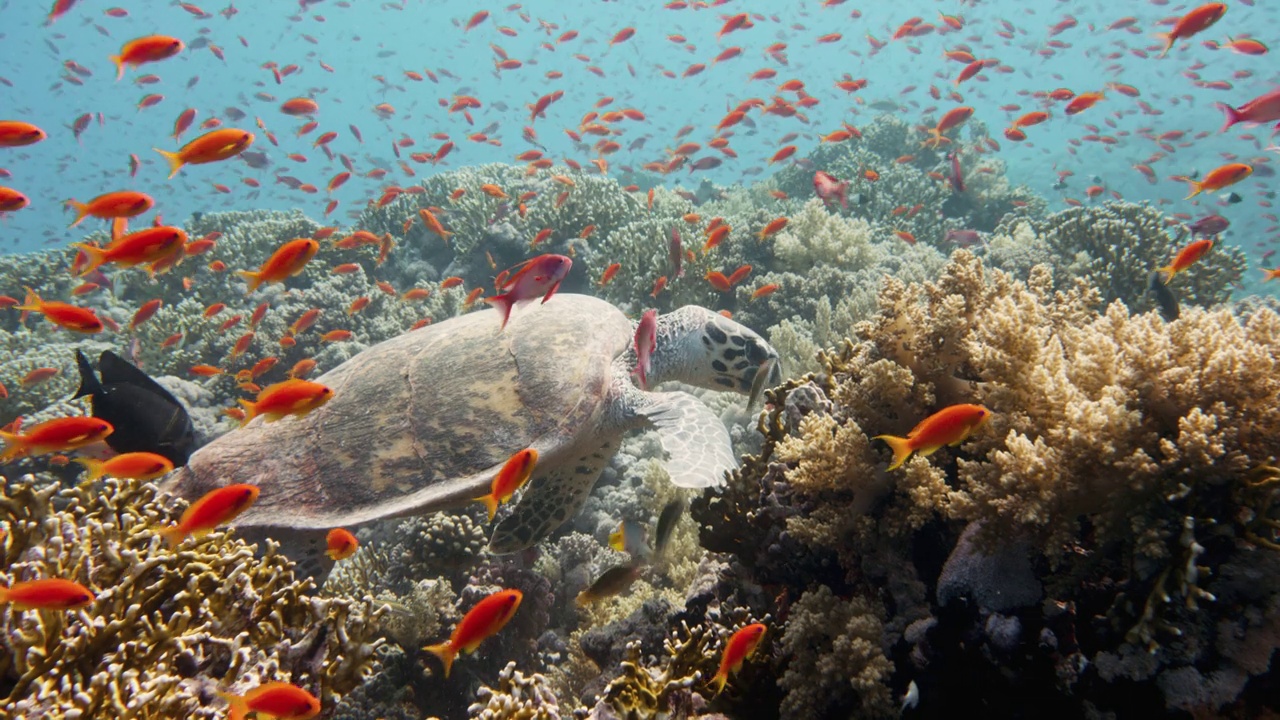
{"x":614,"y":580}
{"x":666,"y":525}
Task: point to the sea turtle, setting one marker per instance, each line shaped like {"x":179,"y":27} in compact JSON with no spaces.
{"x":423,"y":421}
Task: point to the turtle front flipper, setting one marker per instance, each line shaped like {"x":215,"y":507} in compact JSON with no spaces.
{"x":554,"y":494}
{"x":697,"y":443}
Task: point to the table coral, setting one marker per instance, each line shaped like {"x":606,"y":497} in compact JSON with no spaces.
{"x":1115,"y":246}
{"x":169,"y":626}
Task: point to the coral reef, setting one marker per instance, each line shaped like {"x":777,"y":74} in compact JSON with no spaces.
{"x":169,"y":626}
{"x":1116,"y":246}
{"x":1125,"y":474}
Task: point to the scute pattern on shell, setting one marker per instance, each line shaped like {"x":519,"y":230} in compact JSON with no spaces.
{"x":421,"y":422}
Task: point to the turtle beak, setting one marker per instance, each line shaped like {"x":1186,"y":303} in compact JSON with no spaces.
{"x":768,"y":374}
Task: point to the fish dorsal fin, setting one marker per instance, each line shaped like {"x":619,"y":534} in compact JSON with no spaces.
{"x":117,"y":370}
{"x":89,"y":384}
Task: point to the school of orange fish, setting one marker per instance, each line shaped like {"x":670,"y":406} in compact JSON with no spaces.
{"x":160,"y":248}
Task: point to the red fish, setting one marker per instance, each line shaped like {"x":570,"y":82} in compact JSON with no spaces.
{"x":123,"y":204}
{"x":65,"y":315}
{"x":133,"y":465}
{"x":513,"y":475}
{"x":288,"y":260}
{"x":541,"y":275}
{"x":15,"y":133}
{"x":1186,"y":257}
{"x":1193,"y":22}
{"x":216,"y":507}
{"x":340,"y":544}
{"x":948,"y":426}
{"x":646,"y":341}
{"x":57,"y":435}
{"x":829,"y":188}
{"x":290,"y":397}
{"x":1263,"y":108}
{"x":277,"y":700}
{"x":46,"y":594}
{"x":480,"y":623}
{"x":213,"y":146}
{"x":741,"y":645}
{"x":144,"y":50}
{"x":152,"y":245}
{"x":1220,"y":177}
{"x":11,"y":200}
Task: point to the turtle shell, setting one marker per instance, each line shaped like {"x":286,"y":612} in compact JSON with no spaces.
{"x":424,"y":420}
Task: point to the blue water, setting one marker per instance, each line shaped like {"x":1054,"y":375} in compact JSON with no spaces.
{"x":369,"y":47}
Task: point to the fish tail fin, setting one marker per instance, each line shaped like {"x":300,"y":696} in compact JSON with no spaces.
{"x":30,"y":303}
{"x":239,"y":706}
{"x":17,"y":447}
{"x":445,"y":652}
{"x":1196,"y":187}
{"x":175,"y":160}
{"x":718,"y":682}
{"x":901,"y":449}
{"x":1166,"y":273}
{"x":1231,"y":116}
{"x":1271,"y":274}
{"x":173,"y":536}
{"x":843,"y":191}
{"x":504,"y":304}
{"x":490,"y":504}
{"x":94,"y":466}
{"x":1168,"y":43}
{"x":82,"y":211}
{"x":250,"y":412}
{"x":618,"y":538}
{"x":119,"y":62}
{"x":255,"y":279}
{"x":97,"y":257}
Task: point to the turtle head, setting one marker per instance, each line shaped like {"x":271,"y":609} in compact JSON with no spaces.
{"x":706,"y":349}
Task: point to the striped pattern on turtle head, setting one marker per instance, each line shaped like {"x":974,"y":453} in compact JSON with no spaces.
{"x":706,"y":349}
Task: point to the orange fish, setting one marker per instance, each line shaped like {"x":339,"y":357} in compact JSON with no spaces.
{"x":133,"y":465}
{"x":741,"y":645}
{"x":145,"y":246}
{"x":289,"y":397}
{"x":1186,"y":258}
{"x":1082,"y":102}
{"x":288,"y":260}
{"x":11,"y":200}
{"x":276,"y":700}
{"x":1191,"y":23}
{"x":775,"y":225}
{"x":15,"y":133}
{"x":57,"y":435}
{"x":480,"y":623}
{"x":216,"y":507}
{"x":46,"y":594}
{"x":213,"y":146}
{"x":433,"y":224}
{"x":71,"y":317}
{"x":336,"y":336}
{"x":124,"y":204}
{"x":144,"y":50}
{"x":1220,"y":177}
{"x":717,"y":280}
{"x":340,"y":544}
{"x":949,"y":426}
{"x":608,"y":274}
{"x":513,"y":475}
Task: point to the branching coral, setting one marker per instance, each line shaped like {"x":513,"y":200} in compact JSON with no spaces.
{"x":834,"y":658}
{"x":167,"y":623}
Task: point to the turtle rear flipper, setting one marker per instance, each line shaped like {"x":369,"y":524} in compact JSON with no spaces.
{"x":554,"y":494}
{"x":697,"y":443}
{"x":305,"y":547}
